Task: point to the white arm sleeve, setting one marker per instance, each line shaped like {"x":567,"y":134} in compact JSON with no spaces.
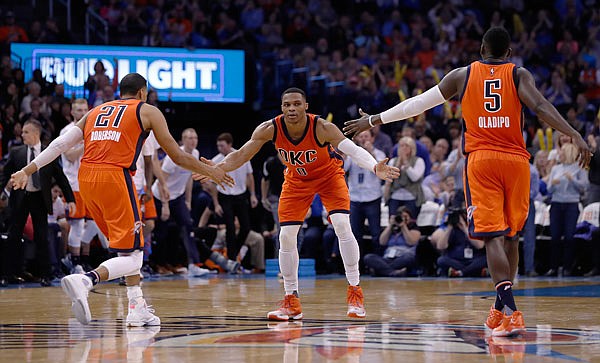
{"x":58,"y":146}
{"x":414,"y":106}
{"x":358,"y":154}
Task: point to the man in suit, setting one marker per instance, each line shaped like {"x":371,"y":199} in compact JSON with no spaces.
{"x":35,"y":199}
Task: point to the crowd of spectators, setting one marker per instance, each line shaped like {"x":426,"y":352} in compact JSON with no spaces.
{"x":370,"y":54}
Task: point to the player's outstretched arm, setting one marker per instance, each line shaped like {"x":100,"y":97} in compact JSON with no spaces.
{"x":328,"y":132}
{"x":61,"y":144}
{"x":153,"y":119}
{"x":532,"y":98}
{"x":410,"y":107}
{"x":262,"y":134}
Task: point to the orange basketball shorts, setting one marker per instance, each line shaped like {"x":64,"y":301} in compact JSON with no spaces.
{"x":79,"y":207}
{"x":297,"y":196}
{"x":111,"y":200}
{"x":496,"y":188}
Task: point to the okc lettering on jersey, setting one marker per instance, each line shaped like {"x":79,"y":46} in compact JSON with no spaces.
{"x":105,"y":135}
{"x":494,"y":122}
{"x":298,"y":158}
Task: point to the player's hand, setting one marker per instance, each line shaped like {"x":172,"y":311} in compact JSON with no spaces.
{"x":585,"y":151}
{"x":216,"y":174}
{"x":19,"y":180}
{"x":219,"y":176}
{"x":201,"y":177}
{"x":72,"y":208}
{"x":356,"y":126}
{"x":386,"y":172}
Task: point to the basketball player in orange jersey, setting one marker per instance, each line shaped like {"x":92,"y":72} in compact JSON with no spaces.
{"x":496,"y":181}
{"x":305,"y":144}
{"x":113,"y":135}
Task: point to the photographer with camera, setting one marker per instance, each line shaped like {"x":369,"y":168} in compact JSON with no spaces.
{"x":461,"y":255}
{"x":400,"y":238}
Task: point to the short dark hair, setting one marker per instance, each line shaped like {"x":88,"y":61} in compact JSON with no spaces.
{"x":35,"y":123}
{"x":226,"y":136}
{"x":294,"y":90}
{"x":497,"y":41}
{"x":132,"y":83}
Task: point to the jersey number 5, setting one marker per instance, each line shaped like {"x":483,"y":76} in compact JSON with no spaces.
{"x":104,"y":117}
{"x":493,"y":101}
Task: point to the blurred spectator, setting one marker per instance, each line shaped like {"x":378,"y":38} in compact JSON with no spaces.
{"x":99,"y":79}
{"x":255,"y":243}
{"x":455,"y":165}
{"x":10,"y":32}
{"x":154,"y":37}
{"x":567,"y":183}
{"x":540,"y":161}
{"x":230,"y":35}
{"x":529,"y":230}
{"x":270,"y":190}
{"x":252,"y":17}
{"x":461,"y":256}
{"x":590,"y":79}
{"x":400,"y":239}
{"x":382,"y":141}
{"x":231,"y":202}
{"x":47,"y":88}
{"x":35,"y":199}
{"x":365,"y":192}
{"x":177,"y":208}
{"x":33,"y":92}
{"x":593,"y":190}
{"x":406,"y":190}
{"x":57,"y":227}
{"x":16,"y":139}
{"x":558,"y":93}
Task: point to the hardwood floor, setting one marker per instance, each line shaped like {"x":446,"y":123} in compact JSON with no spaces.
{"x":222,"y":319}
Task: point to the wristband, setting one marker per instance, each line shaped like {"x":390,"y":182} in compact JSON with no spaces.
{"x":370,"y":121}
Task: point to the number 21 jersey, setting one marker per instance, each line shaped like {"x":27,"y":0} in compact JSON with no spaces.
{"x":114,"y":134}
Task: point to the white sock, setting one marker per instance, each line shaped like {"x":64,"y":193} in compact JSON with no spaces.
{"x":288,"y":257}
{"x":288,"y":263}
{"x":134,"y":292}
{"x":348,"y":246}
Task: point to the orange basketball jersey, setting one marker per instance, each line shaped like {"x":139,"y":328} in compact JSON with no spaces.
{"x":305,"y":159}
{"x":492,"y":110}
{"x":114,"y":134}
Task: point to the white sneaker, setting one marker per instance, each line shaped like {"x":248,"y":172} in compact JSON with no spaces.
{"x":141,"y":314}
{"x":77,"y":288}
{"x":77,"y":269}
{"x":195,"y":271}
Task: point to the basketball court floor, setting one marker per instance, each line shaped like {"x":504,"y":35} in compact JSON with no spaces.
{"x":222,"y":319}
